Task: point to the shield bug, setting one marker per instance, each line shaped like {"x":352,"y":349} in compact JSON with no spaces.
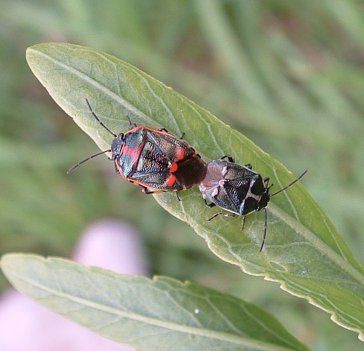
{"x":237,"y":189}
{"x":153,"y":159}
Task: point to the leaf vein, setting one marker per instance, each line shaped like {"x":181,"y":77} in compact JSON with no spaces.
{"x":213,"y":334}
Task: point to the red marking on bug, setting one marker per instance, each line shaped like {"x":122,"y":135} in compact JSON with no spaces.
{"x":134,"y":181}
{"x":133,"y":152}
{"x":173,"y":167}
{"x":126,"y":150}
{"x":135,"y":129}
{"x":171,"y":180}
{"x":120,"y":171}
{"x":180,"y":154}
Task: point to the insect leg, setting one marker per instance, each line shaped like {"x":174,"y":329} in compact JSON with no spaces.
{"x":209,"y":205}
{"x":230,"y":159}
{"x":243,"y":224}
{"x":224,"y":214}
{"x":214,"y":216}
{"x":147,"y":191}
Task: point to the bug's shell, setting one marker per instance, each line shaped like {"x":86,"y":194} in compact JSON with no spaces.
{"x":234,"y":188}
{"x":157,"y":160}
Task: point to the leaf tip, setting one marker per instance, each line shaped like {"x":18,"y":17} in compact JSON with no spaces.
{"x":7,"y":261}
{"x":29,"y":52}
{"x":8,"y":258}
{"x":12,"y":261}
{"x":33,"y":52}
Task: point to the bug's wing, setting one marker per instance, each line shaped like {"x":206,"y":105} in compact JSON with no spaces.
{"x":230,"y":197}
{"x":237,"y":184}
{"x":168,"y":145}
{"x":152,"y":169}
{"x":155,"y":180}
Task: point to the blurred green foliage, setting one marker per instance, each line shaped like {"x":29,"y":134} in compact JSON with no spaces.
{"x":288,"y":74}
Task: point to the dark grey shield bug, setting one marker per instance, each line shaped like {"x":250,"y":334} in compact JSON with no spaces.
{"x":237,"y":189}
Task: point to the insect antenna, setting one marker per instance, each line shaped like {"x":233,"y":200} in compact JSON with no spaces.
{"x":290,"y":184}
{"x":85,"y":160}
{"x":98,"y":119}
{"x":265,"y":209}
{"x":265,"y":229}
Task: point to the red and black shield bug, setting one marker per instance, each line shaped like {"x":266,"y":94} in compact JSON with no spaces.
{"x":153,"y":159}
{"x":237,"y":189}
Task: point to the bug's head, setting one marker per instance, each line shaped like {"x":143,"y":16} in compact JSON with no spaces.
{"x":263,"y":202}
{"x":266,"y":196}
{"x":117,"y":145}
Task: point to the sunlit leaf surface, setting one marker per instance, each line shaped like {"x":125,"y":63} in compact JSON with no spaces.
{"x":303,"y":252}
{"x":159,"y":314}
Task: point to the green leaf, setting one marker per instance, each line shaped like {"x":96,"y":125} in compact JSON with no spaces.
{"x":303,"y":252}
{"x":159,"y":314}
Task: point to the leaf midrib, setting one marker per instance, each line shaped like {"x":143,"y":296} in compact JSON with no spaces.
{"x":294,"y":224}
{"x":211,"y":334}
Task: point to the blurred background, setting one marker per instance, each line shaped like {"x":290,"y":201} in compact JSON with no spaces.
{"x":288,"y":74}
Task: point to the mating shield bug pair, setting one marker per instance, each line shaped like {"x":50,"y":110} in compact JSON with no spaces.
{"x":158,"y":161}
{"x":153,"y":159}
{"x":237,"y":189}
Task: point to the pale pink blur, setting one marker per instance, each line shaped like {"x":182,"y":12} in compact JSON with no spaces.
{"x":27,"y":326}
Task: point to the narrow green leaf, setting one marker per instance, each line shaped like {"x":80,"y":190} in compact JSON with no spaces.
{"x":159,"y":314}
{"x":304,"y":252}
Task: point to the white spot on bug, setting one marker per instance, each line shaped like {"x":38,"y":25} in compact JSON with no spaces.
{"x":215,"y":192}
{"x":197,"y":311}
{"x":224,"y":171}
{"x":250,"y":194}
{"x":222,"y":182}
